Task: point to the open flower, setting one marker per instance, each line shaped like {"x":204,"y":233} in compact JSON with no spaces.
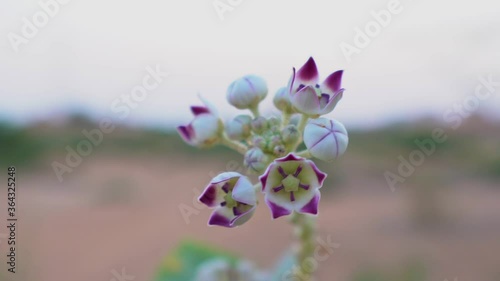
{"x":292,"y":184}
{"x":233,"y":197}
{"x":325,"y":139}
{"x":311,"y":98}
{"x":205,"y":129}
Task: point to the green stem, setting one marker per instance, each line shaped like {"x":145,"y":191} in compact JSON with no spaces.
{"x":238,"y":146}
{"x":305,"y":232}
{"x":255,"y":111}
{"x":300,"y":127}
{"x":286,"y":119}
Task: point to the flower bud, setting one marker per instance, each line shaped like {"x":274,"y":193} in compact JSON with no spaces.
{"x":256,"y":160}
{"x":247,"y":92}
{"x":290,"y":134}
{"x":274,"y":123}
{"x":259,"y":141}
{"x":259,"y":125}
{"x":239,"y":127}
{"x":279,"y":151}
{"x":325,"y":139}
{"x":282,"y":100}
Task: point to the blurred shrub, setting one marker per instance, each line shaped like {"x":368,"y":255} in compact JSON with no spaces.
{"x":17,"y":146}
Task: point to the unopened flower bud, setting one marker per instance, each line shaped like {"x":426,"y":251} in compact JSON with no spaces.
{"x":279,"y":151}
{"x":282,"y":100}
{"x":247,"y":92}
{"x":256,"y":160}
{"x":275,"y":140}
{"x":274,"y":123}
{"x":325,"y":139}
{"x":239,"y":128}
{"x":290,"y":134}
{"x":259,"y":142}
{"x":259,"y":125}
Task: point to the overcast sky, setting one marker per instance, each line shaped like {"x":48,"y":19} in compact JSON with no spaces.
{"x":91,"y":52}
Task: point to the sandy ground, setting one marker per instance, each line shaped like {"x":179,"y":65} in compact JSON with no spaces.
{"x":83,"y":228}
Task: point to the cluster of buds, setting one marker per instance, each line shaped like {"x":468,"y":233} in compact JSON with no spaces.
{"x":289,"y":181}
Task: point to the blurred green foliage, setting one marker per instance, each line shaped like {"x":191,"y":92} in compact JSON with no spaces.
{"x":412,"y":271}
{"x":183,"y":262}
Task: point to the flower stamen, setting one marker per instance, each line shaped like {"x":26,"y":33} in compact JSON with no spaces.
{"x":278,"y":188}
{"x":297,"y":172}
{"x":282,"y":172}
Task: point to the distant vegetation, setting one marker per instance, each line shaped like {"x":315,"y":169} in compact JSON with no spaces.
{"x":471,"y":151}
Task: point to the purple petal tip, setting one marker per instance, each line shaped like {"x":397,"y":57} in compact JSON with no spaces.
{"x":197,"y":110}
{"x":312,"y":206}
{"x":308,"y":71}
{"x":277,"y":211}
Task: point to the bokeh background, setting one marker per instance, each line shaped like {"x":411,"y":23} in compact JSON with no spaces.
{"x":121,"y":206}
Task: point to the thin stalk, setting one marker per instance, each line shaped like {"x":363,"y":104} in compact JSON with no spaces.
{"x":305,"y":233}
{"x":238,"y":146}
{"x":255,"y":111}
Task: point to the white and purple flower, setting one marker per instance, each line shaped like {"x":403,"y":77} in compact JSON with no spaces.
{"x":325,"y":139}
{"x":233,"y":197}
{"x":291,"y":184}
{"x":309,"y":97}
{"x":205,"y":129}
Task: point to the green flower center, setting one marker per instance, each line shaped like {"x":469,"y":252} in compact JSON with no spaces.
{"x":230,"y":202}
{"x":291,"y":183}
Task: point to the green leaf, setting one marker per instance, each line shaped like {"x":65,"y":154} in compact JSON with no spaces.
{"x":183,"y":262}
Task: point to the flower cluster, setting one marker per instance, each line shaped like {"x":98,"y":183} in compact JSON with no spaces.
{"x":289,"y":181}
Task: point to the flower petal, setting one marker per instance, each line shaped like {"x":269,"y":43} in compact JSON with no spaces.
{"x":209,"y":105}
{"x":319,"y":174}
{"x":332,"y":102}
{"x":197,"y":110}
{"x":308,"y":73}
{"x":332,"y":83}
{"x":225,"y":176}
{"x":212,"y":196}
{"x":231,"y":217}
{"x":244,"y":192}
{"x":276,"y":210}
{"x":221,"y":216}
{"x":289,"y":157}
{"x":306,"y":101}
{"x":312,"y":206}
{"x":186,"y":133}
{"x":206,"y":128}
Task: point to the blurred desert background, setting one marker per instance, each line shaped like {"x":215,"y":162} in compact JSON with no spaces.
{"x":121,"y":207}
{"x":415,"y":66}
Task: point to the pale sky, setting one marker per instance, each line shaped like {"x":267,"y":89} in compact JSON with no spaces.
{"x":91,"y":52}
